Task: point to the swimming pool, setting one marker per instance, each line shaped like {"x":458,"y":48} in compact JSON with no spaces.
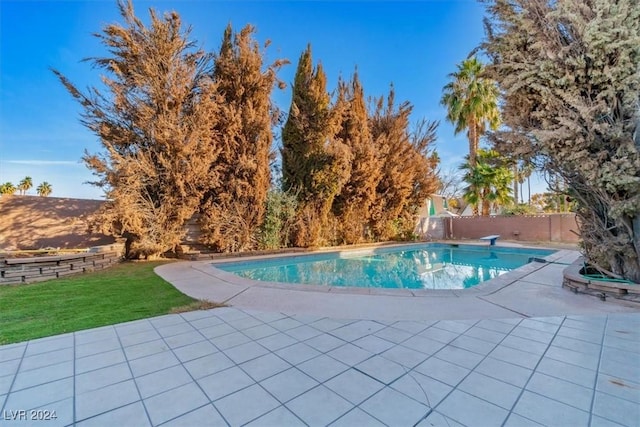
{"x":425,"y":266}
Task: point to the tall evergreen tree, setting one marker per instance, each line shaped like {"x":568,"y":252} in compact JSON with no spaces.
{"x":233,"y":207}
{"x":352,"y":205}
{"x":314,"y":164}
{"x":570,"y":72}
{"x":154,"y":123}
{"x":408,"y":168}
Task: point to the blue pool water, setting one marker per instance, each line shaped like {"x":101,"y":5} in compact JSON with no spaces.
{"x":428,"y":266}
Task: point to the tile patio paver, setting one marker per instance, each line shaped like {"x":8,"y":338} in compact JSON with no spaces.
{"x":194,"y":351}
{"x":49,"y":344}
{"x":404,"y":356}
{"x":207,"y":365}
{"x":225,"y":382}
{"x":161,"y":381}
{"x":354,"y":386}
{"x":459,"y":356}
{"x":504,"y":371}
{"x":297,"y":353}
{"x":319,"y":406}
{"x":443,"y":371}
{"x":357,"y":417}
{"x":274,"y":369}
{"x":436,"y":419}
{"x":393,"y":334}
{"x":133,"y":413}
{"x":517,"y":357}
{"x":204,"y":416}
{"x":243,"y":406}
{"x":99,"y":378}
{"x":381,"y":369}
{"x":324,"y":342}
{"x":245,"y":352}
{"x":561,"y":391}
{"x":489,"y":389}
{"x":265,"y":366}
{"x":394,"y":408}
{"x":5,"y":384}
{"x":50,"y":358}
{"x":99,"y":360}
{"x":618,"y":410}
{"x":467,"y":409}
{"x":281,"y":417}
{"x":34,"y":377}
{"x":95,"y":347}
{"x":37,"y":397}
{"x":546,"y":411}
{"x":105,"y":399}
{"x":516,"y":420}
{"x":153,"y":363}
{"x":350,"y":354}
{"x":171,"y":404}
{"x":277,"y":341}
{"x":288,"y":384}
{"x":617,"y":387}
{"x":422,"y":388}
{"x":322,"y":368}
{"x":565,"y":371}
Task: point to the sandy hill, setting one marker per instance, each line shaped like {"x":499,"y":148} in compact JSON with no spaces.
{"x":32,"y":222}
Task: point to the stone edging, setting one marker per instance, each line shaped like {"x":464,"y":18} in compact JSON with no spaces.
{"x":578,"y":283}
{"x":15,"y":271}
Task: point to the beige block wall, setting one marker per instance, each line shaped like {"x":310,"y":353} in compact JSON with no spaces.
{"x":553,"y":227}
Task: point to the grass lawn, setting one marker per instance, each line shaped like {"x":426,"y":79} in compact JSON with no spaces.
{"x":125,"y":292}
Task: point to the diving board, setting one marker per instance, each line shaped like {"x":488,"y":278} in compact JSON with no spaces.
{"x":492,"y":239}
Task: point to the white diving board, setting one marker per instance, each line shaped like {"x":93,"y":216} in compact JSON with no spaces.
{"x":492,"y":239}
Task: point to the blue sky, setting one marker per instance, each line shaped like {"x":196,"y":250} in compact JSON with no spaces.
{"x":413,"y":45}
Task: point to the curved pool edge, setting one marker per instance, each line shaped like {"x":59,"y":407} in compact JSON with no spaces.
{"x":484,"y":288}
{"x":537,"y":293}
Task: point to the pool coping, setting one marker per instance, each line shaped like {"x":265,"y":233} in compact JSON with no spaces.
{"x":484,"y":288}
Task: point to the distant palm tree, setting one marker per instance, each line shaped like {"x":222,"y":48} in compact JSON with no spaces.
{"x":7,"y":188}
{"x":44,"y":189}
{"x":489,"y":181}
{"x":25,"y":185}
{"x":472,"y":104}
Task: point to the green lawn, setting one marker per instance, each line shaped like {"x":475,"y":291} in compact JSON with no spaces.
{"x":127,"y":291}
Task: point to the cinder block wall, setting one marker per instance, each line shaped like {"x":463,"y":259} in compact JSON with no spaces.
{"x":552,"y":227}
{"x":37,"y":269}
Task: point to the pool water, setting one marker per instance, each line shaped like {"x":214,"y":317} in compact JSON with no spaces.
{"x":428,"y":266}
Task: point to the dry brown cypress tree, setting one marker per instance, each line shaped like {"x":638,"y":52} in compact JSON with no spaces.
{"x":314,"y":164}
{"x":353,"y":204}
{"x":153,"y":121}
{"x":234,"y":205}
{"x":408,"y":168}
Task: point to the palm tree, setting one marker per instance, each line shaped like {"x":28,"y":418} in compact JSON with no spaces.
{"x":472,"y":102}
{"x":7,"y":188}
{"x":489,"y":181}
{"x":25,"y":185}
{"x":44,"y":189}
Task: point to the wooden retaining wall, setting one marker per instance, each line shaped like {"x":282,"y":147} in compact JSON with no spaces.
{"x":37,"y":269}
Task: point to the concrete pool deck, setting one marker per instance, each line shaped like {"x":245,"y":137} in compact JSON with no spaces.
{"x":520,"y":352}
{"x":532,"y":290}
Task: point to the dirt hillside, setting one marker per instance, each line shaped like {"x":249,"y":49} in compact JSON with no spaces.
{"x":32,"y":222}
